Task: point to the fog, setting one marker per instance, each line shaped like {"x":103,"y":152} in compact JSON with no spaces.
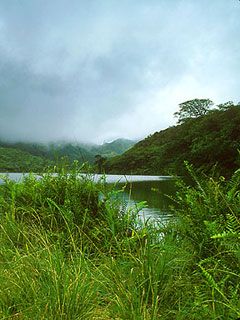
{"x":98,"y":70}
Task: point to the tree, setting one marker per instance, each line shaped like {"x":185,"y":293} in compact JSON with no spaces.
{"x":193,"y":109}
{"x":100,"y":162}
{"x":225,"y":106}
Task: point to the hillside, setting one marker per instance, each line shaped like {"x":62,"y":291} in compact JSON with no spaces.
{"x":114,"y":148}
{"x":204,"y":141}
{"x":15,"y":160}
{"x":22,"y":156}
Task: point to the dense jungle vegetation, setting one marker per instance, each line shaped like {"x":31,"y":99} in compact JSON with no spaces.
{"x":15,"y":160}
{"x":70,"y":249}
{"x":34,"y":157}
{"x":205,"y":138}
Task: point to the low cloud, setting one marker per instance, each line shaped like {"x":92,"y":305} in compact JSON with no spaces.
{"x":90,"y":71}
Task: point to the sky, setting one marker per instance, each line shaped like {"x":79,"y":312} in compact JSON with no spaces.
{"x":97,"y":70}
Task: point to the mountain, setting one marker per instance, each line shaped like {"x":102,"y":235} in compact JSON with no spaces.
{"x":53,"y":151}
{"x":111,"y":149}
{"x":212,"y":139}
{"x":23,"y":156}
{"x":71,"y":151}
{"x":15,"y":160}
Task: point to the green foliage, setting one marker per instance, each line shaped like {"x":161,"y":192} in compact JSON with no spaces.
{"x":206,"y":141}
{"x":14,"y":160}
{"x":70,"y":249}
{"x":209,"y":219}
{"x":193,"y":109}
{"x":114,"y":148}
{"x":26,"y":157}
{"x":226,"y":105}
{"x":100,"y":163}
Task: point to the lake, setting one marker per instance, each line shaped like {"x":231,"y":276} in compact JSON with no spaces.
{"x":152,"y":189}
{"x":154,"y":192}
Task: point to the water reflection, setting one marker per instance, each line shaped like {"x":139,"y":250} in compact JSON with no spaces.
{"x":156,"y":194}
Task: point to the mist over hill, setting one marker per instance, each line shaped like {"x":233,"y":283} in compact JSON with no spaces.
{"x":25,"y":156}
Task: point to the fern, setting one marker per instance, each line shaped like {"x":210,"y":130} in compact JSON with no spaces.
{"x":233,"y":224}
{"x":234,"y":185}
{"x":225,"y":291}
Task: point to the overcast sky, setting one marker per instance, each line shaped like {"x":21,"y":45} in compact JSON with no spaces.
{"x":96,"y":70}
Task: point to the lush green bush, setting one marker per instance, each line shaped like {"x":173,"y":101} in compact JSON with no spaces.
{"x":208,"y":217}
{"x":71,"y":250}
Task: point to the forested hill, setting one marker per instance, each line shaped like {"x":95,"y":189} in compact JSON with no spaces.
{"x":204,"y":141}
{"x":114,"y":148}
{"x":23,"y":156}
{"x":15,"y":160}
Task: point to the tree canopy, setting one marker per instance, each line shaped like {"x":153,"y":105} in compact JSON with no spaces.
{"x":193,"y":109}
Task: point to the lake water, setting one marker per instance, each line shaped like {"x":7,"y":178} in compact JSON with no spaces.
{"x":152,"y":189}
{"x":156,"y":193}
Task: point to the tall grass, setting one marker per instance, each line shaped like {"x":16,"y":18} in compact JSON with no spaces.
{"x":71,"y":250}
{"x":45,"y":284}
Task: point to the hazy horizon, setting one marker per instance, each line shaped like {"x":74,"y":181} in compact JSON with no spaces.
{"x":64,"y":141}
{"x":94,"y":71}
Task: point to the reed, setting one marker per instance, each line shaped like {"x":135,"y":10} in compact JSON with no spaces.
{"x":70,"y":249}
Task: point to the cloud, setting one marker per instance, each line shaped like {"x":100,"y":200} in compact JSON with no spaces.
{"x":93,"y":70}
